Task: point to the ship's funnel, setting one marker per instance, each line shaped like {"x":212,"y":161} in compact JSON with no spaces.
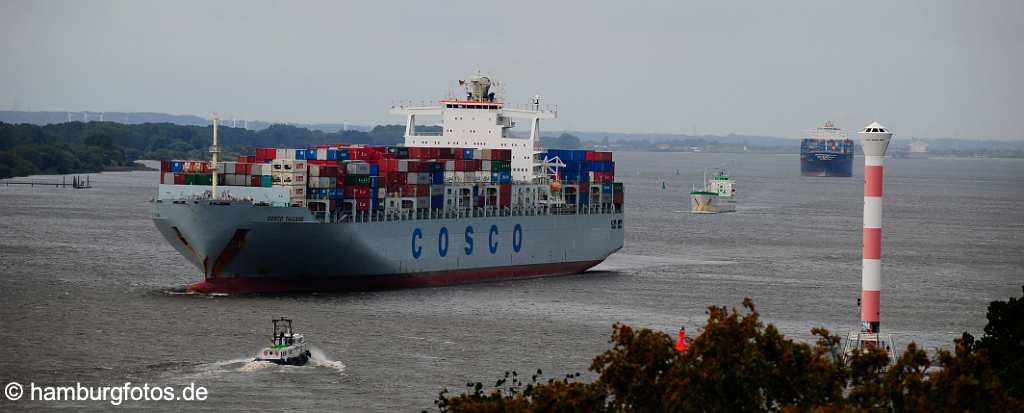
{"x":874,"y":139}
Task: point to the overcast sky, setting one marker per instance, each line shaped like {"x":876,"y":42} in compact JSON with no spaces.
{"x":927,"y":68}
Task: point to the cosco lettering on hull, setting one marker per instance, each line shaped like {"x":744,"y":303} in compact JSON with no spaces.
{"x":495,"y":241}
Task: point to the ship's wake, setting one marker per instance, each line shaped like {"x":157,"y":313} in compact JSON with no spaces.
{"x":248,"y":365}
{"x":321,"y":360}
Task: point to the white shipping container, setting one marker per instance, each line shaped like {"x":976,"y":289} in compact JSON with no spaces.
{"x":357,"y":168}
{"x":486,"y":165}
{"x":327,"y":182}
{"x":314,"y":170}
{"x":449,"y":176}
{"x":403,"y":165}
{"x":280,"y":154}
{"x":168,"y":178}
{"x":321,"y":154}
{"x":449,"y":165}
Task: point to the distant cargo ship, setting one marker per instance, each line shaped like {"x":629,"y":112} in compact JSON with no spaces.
{"x":918,"y":148}
{"x":826,"y":152}
{"x":470,"y":203}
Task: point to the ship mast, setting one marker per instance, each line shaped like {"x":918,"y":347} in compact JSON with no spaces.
{"x":215,"y":155}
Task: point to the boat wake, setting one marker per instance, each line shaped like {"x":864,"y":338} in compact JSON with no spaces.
{"x":250,"y":366}
{"x":320,"y":359}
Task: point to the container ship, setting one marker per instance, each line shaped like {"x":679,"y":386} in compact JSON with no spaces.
{"x":826,"y":152}
{"x":471,"y":203}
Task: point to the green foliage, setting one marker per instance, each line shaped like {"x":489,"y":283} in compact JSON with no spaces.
{"x":94,"y":146}
{"x":739,"y":364}
{"x":563,"y":141}
{"x":1004,"y":342}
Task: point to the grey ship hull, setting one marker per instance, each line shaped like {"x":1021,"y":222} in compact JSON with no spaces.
{"x":244,"y":248}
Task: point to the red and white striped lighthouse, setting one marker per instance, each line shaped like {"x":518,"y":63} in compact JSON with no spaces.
{"x":874,"y":140}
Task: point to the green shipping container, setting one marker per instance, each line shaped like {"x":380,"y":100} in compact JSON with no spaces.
{"x":266,"y":181}
{"x":357,"y":180}
{"x":204,"y":179}
{"x":499,"y":166}
{"x":190,"y":179}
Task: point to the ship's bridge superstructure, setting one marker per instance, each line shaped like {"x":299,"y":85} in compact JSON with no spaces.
{"x":483,"y":121}
{"x":827,"y":131}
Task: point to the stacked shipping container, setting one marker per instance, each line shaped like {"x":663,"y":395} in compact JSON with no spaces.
{"x":364,"y":178}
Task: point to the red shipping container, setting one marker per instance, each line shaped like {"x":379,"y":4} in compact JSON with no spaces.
{"x":179,"y":179}
{"x":505,"y":197}
{"x":204,"y":168}
{"x":415,"y":153}
{"x":398,"y":178}
{"x":501,"y":154}
{"x":254,"y":180}
{"x":165,"y":167}
{"x":617,"y":198}
{"x":590,"y":155}
{"x":388,"y":165}
{"x":357,"y":191}
{"x":363,"y":204}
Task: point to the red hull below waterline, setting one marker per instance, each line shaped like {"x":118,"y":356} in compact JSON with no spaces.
{"x":246,"y":285}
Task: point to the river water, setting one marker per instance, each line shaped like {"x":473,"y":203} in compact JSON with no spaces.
{"x":88,"y":286}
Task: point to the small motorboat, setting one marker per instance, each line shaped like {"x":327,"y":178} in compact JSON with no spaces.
{"x":286,"y":346}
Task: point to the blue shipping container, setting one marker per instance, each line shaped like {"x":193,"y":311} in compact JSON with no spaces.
{"x":332,"y":154}
{"x":584,"y":197}
{"x":437,"y":178}
{"x":176,"y":166}
{"x":506,"y":177}
{"x":467,"y":154}
{"x":343,"y":155}
{"x":374,"y":169}
{"x":300,"y":155}
{"x":606,"y":187}
{"x":437,"y":201}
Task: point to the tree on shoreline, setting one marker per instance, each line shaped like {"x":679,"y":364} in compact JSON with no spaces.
{"x":739,"y":364}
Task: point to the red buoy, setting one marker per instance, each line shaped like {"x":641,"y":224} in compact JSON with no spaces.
{"x":681,"y":344}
